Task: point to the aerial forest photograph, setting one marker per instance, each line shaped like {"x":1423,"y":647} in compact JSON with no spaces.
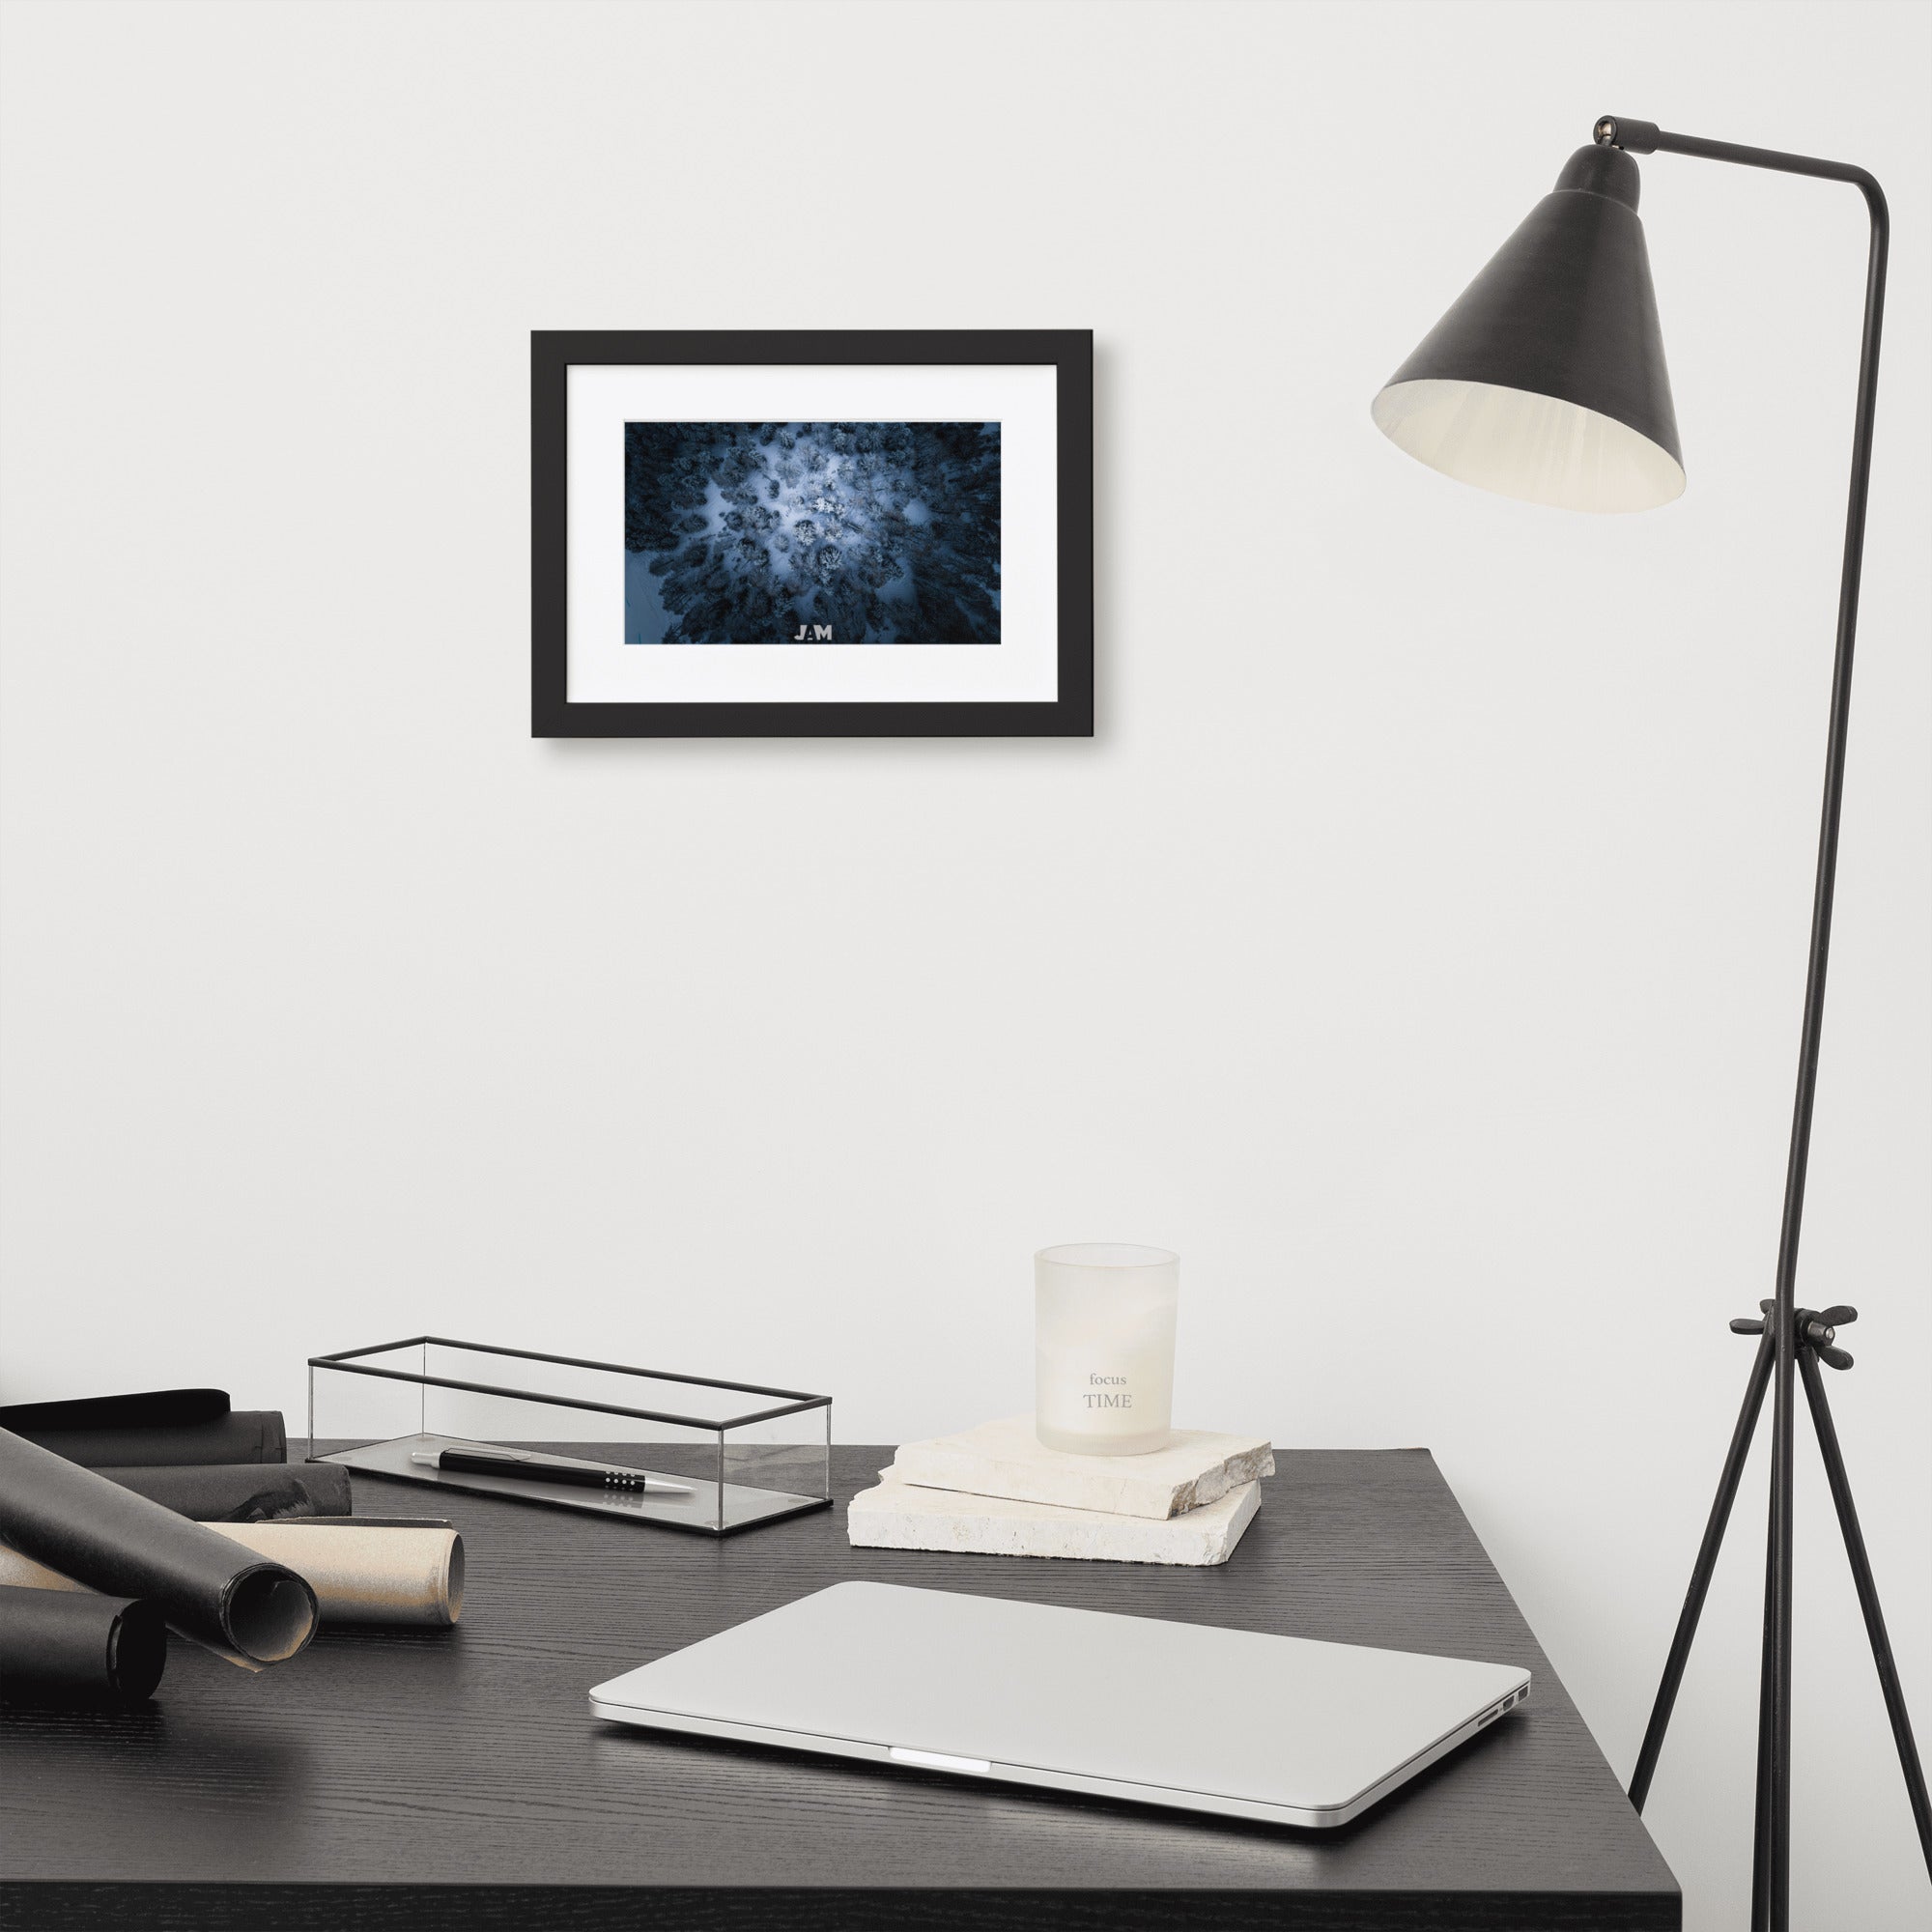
{"x":803,"y":533}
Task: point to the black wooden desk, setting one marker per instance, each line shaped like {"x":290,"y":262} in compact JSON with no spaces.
{"x":391,"y":1779}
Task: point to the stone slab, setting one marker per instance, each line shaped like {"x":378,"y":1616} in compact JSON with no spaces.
{"x":899,"y":1514}
{"x":1006,"y":1459}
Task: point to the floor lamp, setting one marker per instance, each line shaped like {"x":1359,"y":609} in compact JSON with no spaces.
{"x":1546,"y":381}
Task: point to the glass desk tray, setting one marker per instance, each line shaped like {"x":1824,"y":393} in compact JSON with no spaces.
{"x":744,"y":1454}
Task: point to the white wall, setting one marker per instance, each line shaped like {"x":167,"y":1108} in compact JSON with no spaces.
{"x":1417,"y":948}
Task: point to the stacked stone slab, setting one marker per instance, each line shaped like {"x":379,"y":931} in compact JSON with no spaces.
{"x":996,"y":1490}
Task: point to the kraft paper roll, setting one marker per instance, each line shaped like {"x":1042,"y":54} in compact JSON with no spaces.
{"x":241,"y":1491}
{"x":363,"y":1570}
{"x":109,"y":1539}
{"x":74,"y":1648}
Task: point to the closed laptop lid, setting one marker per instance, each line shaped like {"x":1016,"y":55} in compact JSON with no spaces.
{"x":1275,"y":1721}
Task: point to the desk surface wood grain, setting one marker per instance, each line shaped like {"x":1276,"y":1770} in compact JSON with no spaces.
{"x":429,"y":1780}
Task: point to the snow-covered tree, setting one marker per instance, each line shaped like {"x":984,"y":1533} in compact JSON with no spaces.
{"x":885,"y":532}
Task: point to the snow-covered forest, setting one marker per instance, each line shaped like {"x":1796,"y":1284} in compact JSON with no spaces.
{"x":803,"y":533}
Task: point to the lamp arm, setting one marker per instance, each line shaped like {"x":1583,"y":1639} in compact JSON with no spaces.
{"x":1773,"y":1876}
{"x":1646,"y":137}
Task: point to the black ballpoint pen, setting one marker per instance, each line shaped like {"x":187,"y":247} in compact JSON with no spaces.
{"x":531,"y":1467}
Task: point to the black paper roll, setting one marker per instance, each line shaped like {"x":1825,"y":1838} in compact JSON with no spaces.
{"x":241,"y":1491}
{"x":147,"y":1408}
{"x":72,"y":1646}
{"x":121,"y":1544}
{"x":241,"y":1435}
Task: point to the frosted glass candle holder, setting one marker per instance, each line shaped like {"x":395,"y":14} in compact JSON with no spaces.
{"x":1103,"y":1347}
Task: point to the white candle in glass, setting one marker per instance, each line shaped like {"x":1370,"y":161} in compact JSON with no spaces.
{"x":1103,"y":1347}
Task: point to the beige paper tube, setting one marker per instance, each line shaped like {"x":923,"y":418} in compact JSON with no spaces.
{"x":361,"y":1570}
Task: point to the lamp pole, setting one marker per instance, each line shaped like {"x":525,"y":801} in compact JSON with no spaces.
{"x":1771,"y":1866}
{"x":1545,"y":381}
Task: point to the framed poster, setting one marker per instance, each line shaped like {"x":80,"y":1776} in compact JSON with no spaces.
{"x":779,"y":533}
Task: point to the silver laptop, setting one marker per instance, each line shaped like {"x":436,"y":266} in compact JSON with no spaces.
{"x":1279,"y":1728}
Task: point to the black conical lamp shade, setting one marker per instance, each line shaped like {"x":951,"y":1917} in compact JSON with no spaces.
{"x":1547,"y":380}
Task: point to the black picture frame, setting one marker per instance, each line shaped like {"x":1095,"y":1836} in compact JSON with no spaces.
{"x":553,"y":352}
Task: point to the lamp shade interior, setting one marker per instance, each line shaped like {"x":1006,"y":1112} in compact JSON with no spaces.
{"x":1518,"y":443}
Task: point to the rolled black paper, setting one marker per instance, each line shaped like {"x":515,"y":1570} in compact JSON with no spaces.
{"x":149,"y":1408}
{"x":241,"y":1491}
{"x":241,"y":1435}
{"x":72,"y":1646}
{"x":123,"y":1544}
